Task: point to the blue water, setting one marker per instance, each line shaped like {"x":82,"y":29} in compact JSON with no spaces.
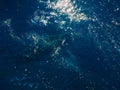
{"x":88,"y":60}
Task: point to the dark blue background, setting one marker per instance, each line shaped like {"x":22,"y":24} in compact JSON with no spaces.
{"x":97,"y":74}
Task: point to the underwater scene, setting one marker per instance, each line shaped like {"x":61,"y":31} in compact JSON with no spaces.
{"x":59,"y":44}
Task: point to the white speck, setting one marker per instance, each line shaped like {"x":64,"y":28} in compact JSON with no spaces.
{"x":25,"y":69}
